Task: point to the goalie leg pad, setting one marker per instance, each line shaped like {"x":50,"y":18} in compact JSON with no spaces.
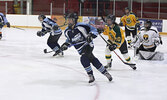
{"x":146,"y":55}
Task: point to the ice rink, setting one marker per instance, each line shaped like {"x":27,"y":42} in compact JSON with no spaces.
{"x":26,"y":73}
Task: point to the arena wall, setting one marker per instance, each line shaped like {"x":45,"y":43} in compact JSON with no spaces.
{"x":31,"y":21}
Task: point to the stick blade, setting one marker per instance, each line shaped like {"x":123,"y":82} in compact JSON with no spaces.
{"x":45,"y":50}
{"x":132,"y":65}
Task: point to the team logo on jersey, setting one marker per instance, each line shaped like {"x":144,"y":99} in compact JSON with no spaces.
{"x":128,"y":21}
{"x":77,"y":38}
{"x":112,"y":37}
{"x":145,"y":37}
{"x":118,"y":39}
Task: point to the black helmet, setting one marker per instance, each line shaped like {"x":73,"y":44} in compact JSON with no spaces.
{"x":127,"y":8}
{"x":41,"y":16}
{"x":112,"y":17}
{"x":73,"y":16}
{"x":149,"y":24}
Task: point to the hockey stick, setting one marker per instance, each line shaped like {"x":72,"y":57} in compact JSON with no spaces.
{"x":13,"y":27}
{"x":130,"y":64}
{"x":18,"y":28}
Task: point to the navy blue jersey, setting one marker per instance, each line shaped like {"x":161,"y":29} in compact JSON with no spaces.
{"x":77,"y":36}
{"x":3,"y":19}
{"x":47,"y":25}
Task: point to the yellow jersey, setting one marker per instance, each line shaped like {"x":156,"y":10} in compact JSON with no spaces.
{"x":129,"y":21}
{"x":115,"y":35}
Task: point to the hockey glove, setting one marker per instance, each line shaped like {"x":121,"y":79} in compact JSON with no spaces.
{"x":156,"y":41}
{"x":39,"y":33}
{"x":8,"y":24}
{"x":90,"y":37}
{"x":55,"y":27}
{"x":64,"y":46}
{"x":112,"y":47}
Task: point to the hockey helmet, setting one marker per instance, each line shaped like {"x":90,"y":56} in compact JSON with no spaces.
{"x":73,"y":16}
{"x":111,"y":17}
{"x":41,"y":17}
{"x":147,"y":24}
{"x":127,"y":8}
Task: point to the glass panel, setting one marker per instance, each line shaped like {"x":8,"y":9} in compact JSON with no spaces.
{"x":120,"y":6}
{"x":150,"y":9}
{"x":136,"y":8}
{"x":88,"y":7}
{"x":2,"y":6}
{"x":163,"y":9}
{"x":41,"y":7}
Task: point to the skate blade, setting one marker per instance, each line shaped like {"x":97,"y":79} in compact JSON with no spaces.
{"x":60,"y":55}
{"x":109,"y":68}
{"x":92,"y":84}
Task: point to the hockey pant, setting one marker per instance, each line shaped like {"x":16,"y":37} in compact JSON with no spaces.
{"x":53,"y":42}
{"x":87,"y":57}
{"x":123,"y":49}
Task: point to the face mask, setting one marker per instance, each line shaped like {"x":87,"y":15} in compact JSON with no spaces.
{"x":40,"y":20}
{"x":70,"y":25}
{"x":147,"y":27}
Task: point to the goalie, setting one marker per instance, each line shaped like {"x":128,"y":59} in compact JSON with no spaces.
{"x":147,"y":41}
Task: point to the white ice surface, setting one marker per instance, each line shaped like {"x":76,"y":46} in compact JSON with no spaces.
{"x":26,"y":73}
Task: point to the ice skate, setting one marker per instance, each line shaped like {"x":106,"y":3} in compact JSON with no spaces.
{"x":108,"y":66}
{"x":61,"y":54}
{"x":91,"y":79}
{"x":108,"y":76}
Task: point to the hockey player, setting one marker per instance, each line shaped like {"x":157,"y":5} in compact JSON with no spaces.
{"x":50,"y":26}
{"x":80,"y":36}
{"x":147,"y":42}
{"x":116,"y":40}
{"x":3,"y":21}
{"x":131,"y":23}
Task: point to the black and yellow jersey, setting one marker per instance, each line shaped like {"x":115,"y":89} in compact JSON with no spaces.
{"x":115,"y":34}
{"x":129,"y":21}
